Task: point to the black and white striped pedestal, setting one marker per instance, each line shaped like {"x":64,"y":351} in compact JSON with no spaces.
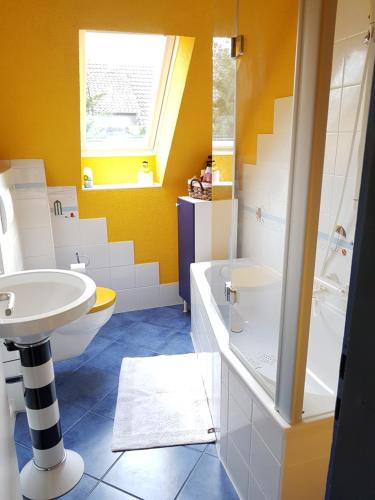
{"x":41,"y":405}
{"x":53,"y":469}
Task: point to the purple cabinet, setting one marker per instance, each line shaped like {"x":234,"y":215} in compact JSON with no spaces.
{"x":186,"y":245}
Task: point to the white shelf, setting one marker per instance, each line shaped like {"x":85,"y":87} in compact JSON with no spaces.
{"x":105,"y":187}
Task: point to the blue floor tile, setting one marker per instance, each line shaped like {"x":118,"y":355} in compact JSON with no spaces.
{"x":179,"y":307}
{"x":68,"y":366}
{"x":87,"y":386}
{"x":159,"y":339}
{"x":168,"y":317}
{"x":177,"y":343}
{"x":106,"y":492}
{"x":111,"y":358}
{"x":155,"y":474}
{"x":91,"y":437}
{"x":211,"y":449}
{"x":82,"y":489}
{"x":208,"y":481}
{"x":147,"y":335}
{"x":107,"y":407}
{"x":198,"y":447}
{"x":24,"y":455}
{"x":115,"y":331}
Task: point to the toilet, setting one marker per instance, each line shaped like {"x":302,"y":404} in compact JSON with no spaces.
{"x":71,"y":340}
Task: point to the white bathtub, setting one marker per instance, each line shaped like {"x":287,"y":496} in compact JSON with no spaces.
{"x":265,"y":457}
{"x":255,"y":331}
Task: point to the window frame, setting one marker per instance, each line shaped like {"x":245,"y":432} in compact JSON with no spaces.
{"x":149,"y":150}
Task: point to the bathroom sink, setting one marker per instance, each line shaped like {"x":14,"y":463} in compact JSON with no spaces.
{"x":43,"y":301}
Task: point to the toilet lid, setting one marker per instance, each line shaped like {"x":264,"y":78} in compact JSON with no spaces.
{"x":105,"y":297}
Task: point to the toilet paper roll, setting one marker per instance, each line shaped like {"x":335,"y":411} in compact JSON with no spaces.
{"x":78,"y":268}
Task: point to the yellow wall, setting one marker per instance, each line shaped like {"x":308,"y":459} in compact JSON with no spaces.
{"x":117,"y":169}
{"x":266,"y":70}
{"x":39,"y":106}
{"x":224,"y":163}
{"x":39,"y":98}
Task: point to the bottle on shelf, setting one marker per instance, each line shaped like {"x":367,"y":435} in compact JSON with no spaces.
{"x":88,"y":181}
{"x":207,"y":176}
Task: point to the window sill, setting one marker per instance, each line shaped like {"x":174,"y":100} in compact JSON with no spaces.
{"x":106,"y":187}
{"x":114,"y":153}
{"x":222,"y":184}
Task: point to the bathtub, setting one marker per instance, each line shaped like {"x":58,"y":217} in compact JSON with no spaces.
{"x":255,"y":330}
{"x":265,"y":457}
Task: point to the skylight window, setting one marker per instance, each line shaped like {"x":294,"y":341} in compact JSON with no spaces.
{"x":123,"y":80}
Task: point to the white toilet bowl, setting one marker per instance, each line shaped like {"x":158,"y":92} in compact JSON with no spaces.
{"x":72,"y":339}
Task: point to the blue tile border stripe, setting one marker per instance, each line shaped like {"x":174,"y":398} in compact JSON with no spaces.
{"x":31,"y":185}
{"x":281,"y":221}
{"x":66,"y":209}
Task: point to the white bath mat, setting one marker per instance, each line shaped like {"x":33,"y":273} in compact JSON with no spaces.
{"x":161,"y":402}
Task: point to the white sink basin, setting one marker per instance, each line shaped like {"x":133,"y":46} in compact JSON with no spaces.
{"x":44,"y":300}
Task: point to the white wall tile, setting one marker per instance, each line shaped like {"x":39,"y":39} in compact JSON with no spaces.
{"x":334,"y":110}
{"x":93,"y":231}
{"x":241,"y":394}
{"x":98,"y":255}
{"x":169,"y":295}
{"x":238,"y":469}
{"x":37,"y":241}
{"x":330,"y":153}
{"x":100,"y":276}
{"x":126,"y":300}
{"x":264,"y":467}
{"x":121,"y":253}
{"x":66,"y":231}
{"x":32,"y":163}
{"x":223,"y":432}
{"x":326,"y":194}
{"x":122,"y":277}
{"x":147,"y":274}
{"x":65,"y":256}
{"x":350,"y":99}
{"x":30,"y":182}
{"x":355,"y":55}
{"x":148,"y":297}
{"x":343,"y":154}
{"x":32,"y":213}
{"x":255,"y":493}
{"x":40,"y":262}
{"x":269,"y":430}
{"x":239,"y":429}
{"x":338,"y":64}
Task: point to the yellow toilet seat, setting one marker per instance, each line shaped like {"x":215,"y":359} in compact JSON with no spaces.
{"x":105,"y":297}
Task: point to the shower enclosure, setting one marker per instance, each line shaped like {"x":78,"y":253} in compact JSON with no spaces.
{"x":297,"y":168}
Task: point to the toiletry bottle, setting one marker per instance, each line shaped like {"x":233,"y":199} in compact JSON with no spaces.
{"x":145,"y":168}
{"x":207,"y":177}
{"x":88,"y":181}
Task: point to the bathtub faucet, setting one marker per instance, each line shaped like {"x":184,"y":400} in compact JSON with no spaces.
{"x":230,"y":293}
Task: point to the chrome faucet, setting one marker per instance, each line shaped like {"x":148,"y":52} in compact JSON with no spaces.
{"x":11,"y":298}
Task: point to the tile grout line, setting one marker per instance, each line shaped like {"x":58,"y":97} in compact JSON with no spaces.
{"x":113,"y":486}
{"x":122,"y":491}
{"x":190,"y":474}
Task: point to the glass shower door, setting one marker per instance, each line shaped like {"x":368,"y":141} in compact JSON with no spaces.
{"x":262,"y":173}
